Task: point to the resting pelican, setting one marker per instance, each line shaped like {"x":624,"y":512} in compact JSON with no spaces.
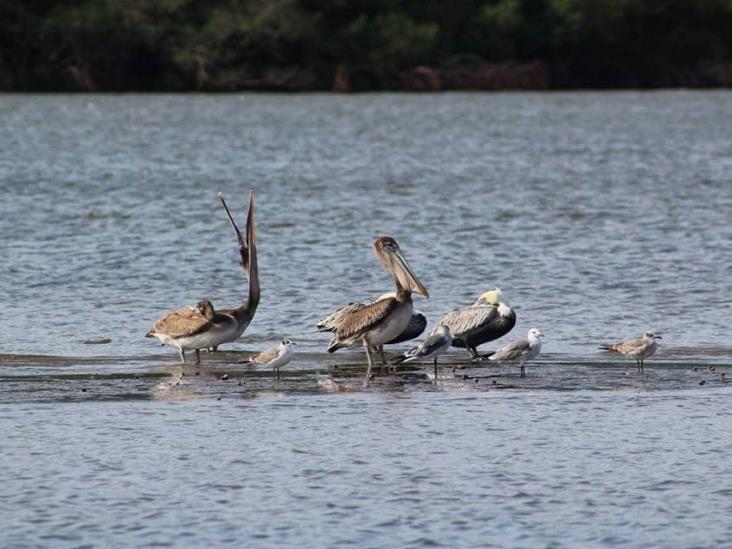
{"x":485,"y":320}
{"x":431,"y":348}
{"x":208,"y":328}
{"x":385,"y":319}
{"x":639,"y":349}
{"x":417,"y":323}
{"x":275,"y":357}
{"x":520,"y":351}
{"x":191,"y":328}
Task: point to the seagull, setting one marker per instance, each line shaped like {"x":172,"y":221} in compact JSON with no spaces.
{"x":485,"y":320}
{"x":432,"y":347}
{"x":520,"y":351}
{"x":274,"y":357}
{"x":638,"y":349}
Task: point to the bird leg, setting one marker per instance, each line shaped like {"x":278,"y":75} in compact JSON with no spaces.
{"x":435,"y":369}
{"x":643,"y":370}
{"x":182,"y":354}
{"x":383,"y":358}
{"x":368,"y":356}
{"x":523,"y":372}
{"x":198,"y":356}
{"x":278,"y":373}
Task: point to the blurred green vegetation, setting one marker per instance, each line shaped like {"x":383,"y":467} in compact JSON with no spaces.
{"x":307,"y":44}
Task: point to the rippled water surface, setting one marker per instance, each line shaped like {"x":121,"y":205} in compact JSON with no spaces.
{"x":600,"y":215}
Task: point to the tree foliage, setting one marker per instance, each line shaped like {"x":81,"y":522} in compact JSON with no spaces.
{"x":301,"y":44}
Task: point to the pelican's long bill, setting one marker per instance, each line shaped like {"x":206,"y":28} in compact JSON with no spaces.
{"x":242,"y":243}
{"x":388,"y":252}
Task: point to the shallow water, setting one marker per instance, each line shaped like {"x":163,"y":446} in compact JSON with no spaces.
{"x":600,"y":215}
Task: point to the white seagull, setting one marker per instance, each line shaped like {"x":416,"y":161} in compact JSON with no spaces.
{"x":639,"y":349}
{"x":430,"y":348}
{"x":274,"y":358}
{"x":520,"y":351}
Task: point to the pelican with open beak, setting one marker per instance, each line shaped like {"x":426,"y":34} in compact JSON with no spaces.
{"x":385,"y":319}
{"x":248,"y":252}
{"x":203,"y":327}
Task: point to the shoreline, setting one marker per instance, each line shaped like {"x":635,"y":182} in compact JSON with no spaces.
{"x":459,"y":74}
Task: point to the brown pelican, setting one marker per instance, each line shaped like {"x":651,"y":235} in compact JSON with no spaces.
{"x":431,"y":348}
{"x":485,"y":320}
{"x":639,"y":349}
{"x":385,"y":319}
{"x":190,"y":328}
{"x":248,"y":252}
{"x":274,"y":357}
{"x":520,"y":351}
{"x":417,"y":323}
{"x":208,"y":328}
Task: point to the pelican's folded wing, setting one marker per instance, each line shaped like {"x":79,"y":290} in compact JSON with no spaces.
{"x":182,"y":322}
{"x":331,"y":322}
{"x":358,"y":322}
{"x":467,"y":321}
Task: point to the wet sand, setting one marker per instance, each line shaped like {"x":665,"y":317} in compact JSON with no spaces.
{"x":224,"y":375}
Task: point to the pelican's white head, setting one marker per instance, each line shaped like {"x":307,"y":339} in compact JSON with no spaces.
{"x":286,"y":343}
{"x":491,"y":297}
{"x":387,"y":295}
{"x":535,"y":334}
{"x":650,"y":335}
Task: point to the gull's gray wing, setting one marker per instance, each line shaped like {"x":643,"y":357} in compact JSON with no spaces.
{"x":512,"y":351}
{"x":431,"y":344}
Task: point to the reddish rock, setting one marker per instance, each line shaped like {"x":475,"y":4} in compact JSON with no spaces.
{"x":421,"y":79}
{"x":719,"y":74}
{"x":341,"y":81}
{"x":470,"y":72}
{"x":81,"y":79}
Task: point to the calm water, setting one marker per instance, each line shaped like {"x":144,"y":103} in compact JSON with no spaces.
{"x":600,"y":215}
